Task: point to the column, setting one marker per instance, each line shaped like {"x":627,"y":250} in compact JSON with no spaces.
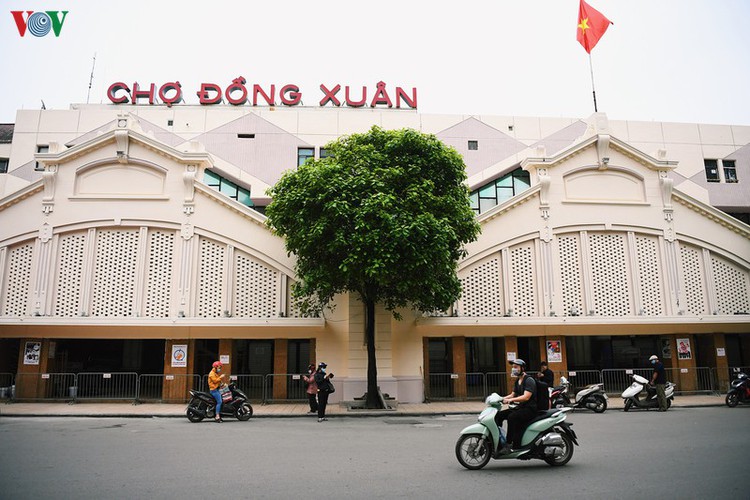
{"x":511,"y":346}
{"x":722,"y":363}
{"x":176,"y":383}
{"x":458,"y":353}
{"x":687,"y":380}
{"x":560,"y":368}
{"x":280,"y":350}
{"x":29,"y":381}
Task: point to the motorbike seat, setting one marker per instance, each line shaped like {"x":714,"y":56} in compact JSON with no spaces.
{"x":542,"y":414}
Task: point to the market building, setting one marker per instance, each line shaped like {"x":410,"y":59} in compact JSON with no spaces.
{"x":134,"y":252}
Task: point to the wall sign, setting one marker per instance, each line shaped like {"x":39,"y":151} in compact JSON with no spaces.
{"x":179,"y":355}
{"x":683,"y":349}
{"x":31,"y":353}
{"x":240,"y":93}
{"x":554,"y":351}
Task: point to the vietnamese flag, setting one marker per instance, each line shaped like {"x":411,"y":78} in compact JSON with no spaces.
{"x":591,"y":26}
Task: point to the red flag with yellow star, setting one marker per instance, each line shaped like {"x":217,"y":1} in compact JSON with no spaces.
{"x":591,"y":26}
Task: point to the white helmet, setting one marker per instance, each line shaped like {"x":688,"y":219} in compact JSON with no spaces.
{"x":653,"y":357}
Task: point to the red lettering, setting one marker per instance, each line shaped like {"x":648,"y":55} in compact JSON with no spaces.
{"x":168,"y":87}
{"x":294,"y":95}
{"x":20,"y":21}
{"x":269,"y":100}
{"x":238,"y":85}
{"x":356,"y":104}
{"x":114,"y":88}
{"x":411,"y":102}
{"x":381,"y":96}
{"x":330,"y":95}
{"x":205,"y":98}
{"x":137,"y":94}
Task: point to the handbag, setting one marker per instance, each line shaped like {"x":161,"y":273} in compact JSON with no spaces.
{"x":331,"y":388}
{"x":226,"y":394}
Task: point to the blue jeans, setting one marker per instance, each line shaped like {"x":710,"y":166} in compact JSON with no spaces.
{"x":217,"y":396}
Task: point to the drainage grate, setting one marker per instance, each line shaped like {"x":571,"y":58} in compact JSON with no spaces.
{"x":401,"y":421}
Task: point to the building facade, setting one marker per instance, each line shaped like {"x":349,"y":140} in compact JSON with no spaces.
{"x":133,"y":241}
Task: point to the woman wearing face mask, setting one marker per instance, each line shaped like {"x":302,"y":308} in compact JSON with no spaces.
{"x":524,"y":397}
{"x":312,"y":388}
{"x":216,"y":380}
{"x":324,"y":389}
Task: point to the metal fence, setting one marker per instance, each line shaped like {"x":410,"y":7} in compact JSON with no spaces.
{"x":496,"y":382}
{"x":254,"y":386}
{"x":166,"y":388}
{"x":7,"y":385}
{"x":617,"y":380}
{"x":440,"y":386}
{"x":581,"y":378}
{"x":285,"y":387}
{"x":107,"y":386}
{"x":44,"y":386}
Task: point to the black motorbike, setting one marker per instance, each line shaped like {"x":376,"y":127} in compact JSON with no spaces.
{"x":739,"y":391}
{"x":203,"y":405}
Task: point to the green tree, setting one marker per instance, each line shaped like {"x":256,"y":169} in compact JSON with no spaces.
{"x":385,"y":217}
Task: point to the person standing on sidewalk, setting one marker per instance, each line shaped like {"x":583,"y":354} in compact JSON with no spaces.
{"x":215,"y":381}
{"x":659,"y":378}
{"x":545,"y":374}
{"x":322,"y":380}
{"x":312,"y":388}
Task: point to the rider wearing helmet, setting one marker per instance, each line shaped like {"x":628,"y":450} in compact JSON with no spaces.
{"x":215,"y":381}
{"x":524,"y":397}
{"x":659,"y":378}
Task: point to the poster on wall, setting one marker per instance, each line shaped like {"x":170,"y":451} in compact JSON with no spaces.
{"x":31,"y":353}
{"x":666,"y":350}
{"x":683,"y":349}
{"x":554,"y":351}
{"x":179,"y":355}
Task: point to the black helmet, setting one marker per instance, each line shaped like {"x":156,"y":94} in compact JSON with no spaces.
{"x":519,"y":362}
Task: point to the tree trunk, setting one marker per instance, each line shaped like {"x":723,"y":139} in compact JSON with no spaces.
{"x":373,"y":400}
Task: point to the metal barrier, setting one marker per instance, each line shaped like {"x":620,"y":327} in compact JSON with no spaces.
{"x":254,"y":386}
{"x":107,"y":386}
{"x":617,"y":380}
{"x":7,"y":385}
{"x":691,"y":380}
{"x":581,"y":378}
{"x":166,"y":388}
{"x":44,"y":386}
{"x":496,"y":382}
{"x":285,"y":387}
{"x":476,"y":386}
{"x":440,"y":386}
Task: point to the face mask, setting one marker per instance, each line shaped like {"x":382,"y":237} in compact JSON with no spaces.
{"x":218,"y":369}
{"x":514,"y":372}
{"x":322,"y":370}
{"x":653,"y":362}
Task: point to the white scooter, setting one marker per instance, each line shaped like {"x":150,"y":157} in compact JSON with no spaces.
{"x":591,"y":397}
{"x":632,"y":393}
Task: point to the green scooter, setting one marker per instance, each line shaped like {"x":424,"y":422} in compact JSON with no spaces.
{"x":548,"y":437}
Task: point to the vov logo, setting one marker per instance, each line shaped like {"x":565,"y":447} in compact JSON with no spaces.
{"x":39,"y":23}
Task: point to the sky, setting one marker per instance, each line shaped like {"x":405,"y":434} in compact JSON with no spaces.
{"x":661,"y":60}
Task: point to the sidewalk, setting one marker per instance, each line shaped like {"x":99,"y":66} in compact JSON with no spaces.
{"x":127,"y":410}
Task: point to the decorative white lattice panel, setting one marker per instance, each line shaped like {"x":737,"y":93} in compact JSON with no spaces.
{"x":255,"y":289}
{"x":609,"y":273}
{"x":523,"y":284}
{"x":114,"y":273}
{"x":18,"y":280}
{"x":570,"y":275}
{"x":482,"y":291}
{"x":692,"y":275}
{"x":731,"y":287}
{"x":211,"y":279}
{"x":159,"y":273}
{"x":649,"y":275}
{"x":70,"y":275}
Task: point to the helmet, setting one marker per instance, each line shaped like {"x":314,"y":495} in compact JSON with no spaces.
{"x":519,"y":362}
{"x":654,"y":357}
{"x":322,"y":365}
{"x":217,"y":364}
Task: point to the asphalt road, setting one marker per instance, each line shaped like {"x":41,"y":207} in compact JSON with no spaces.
{"x":684,"y":453}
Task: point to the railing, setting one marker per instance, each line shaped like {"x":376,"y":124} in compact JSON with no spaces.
{"x":285,"y":387}
{"x":254,"y":386}
{"x":440,"y":386}
{"x":44,"y":386}
{"x":581,"y":378}
{"x":7,"y":385}
{"x":107,"y":386}
{"x":166,"y":388}
{"x":617,"y":380}
{"x":496,"y":382}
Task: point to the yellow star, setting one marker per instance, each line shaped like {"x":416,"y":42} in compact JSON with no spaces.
{"x":584,"y":25}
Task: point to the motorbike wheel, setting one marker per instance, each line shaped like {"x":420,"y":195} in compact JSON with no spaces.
{"x":732,"y":399}
{"x":567,"y":453}
{"x":601,"y":404}
{"x":244,"y":413}
{"x":194,"y":416}
{"x":473,"y":451}
{"x":628,"y":404}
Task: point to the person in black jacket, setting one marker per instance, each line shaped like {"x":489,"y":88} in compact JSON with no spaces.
{"x":524,"y":397}
{"x":546,"y":375}
{"x":322,"y":379}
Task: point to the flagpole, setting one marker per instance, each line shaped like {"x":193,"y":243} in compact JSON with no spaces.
{"x":593,"y":90}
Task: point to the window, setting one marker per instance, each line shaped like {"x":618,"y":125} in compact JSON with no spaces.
{"x":170,"y":123}
{"x":227,"y":188}
{"x":245,"y":136}
{"x":3,"y":165}
{"x":712,"y":170}
{"x":324,"y":153}
{"x":303,"y":154}
{"x":730,"y":171}
{"x":41,"y":149}
{"x":473,"y":145}
{"x":499,"y":190}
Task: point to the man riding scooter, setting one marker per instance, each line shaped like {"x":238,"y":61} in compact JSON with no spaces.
{"x":524,"y":397}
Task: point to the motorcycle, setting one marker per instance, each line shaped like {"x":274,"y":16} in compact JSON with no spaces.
{"x":632,"y":393}
{"x":739,"y":391}
{"x":548,"y":437}
{"x":203,"y":405}
{"x":591,"y":397}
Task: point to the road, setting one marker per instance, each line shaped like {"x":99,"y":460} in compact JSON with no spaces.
{"x":684,"y":453}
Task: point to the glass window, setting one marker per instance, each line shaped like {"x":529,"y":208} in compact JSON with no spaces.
{"x":228,"y":188}
{"x":473,"y":145}
{"x":41,"y":149}
{"x":303,"y":154}
{"x":324,"y":153}
{"x":3,"y":165}
{"x":211,"y":179}
{"x":487,"y":191}
{"x":521,"y":182}
{"x":243,"y":196}
{"x":504,"y":194}
{"x":474,"y":199}
{"x":505,"y":181}
{"x":486,"y":204}
{"x":712,"y":170}
{"x":730,"y":171}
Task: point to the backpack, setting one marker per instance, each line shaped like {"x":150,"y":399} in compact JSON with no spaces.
{"x":542,"y":396}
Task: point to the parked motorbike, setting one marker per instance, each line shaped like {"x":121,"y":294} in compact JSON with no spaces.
{"x":739,"y":391}
{"x":591,"y":397}
{"x":548,"y":437}
{"x":632,"y":398}
{"x":203,"y":405}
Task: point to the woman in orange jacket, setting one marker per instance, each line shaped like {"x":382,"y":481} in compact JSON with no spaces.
{"x":215,"y":381}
